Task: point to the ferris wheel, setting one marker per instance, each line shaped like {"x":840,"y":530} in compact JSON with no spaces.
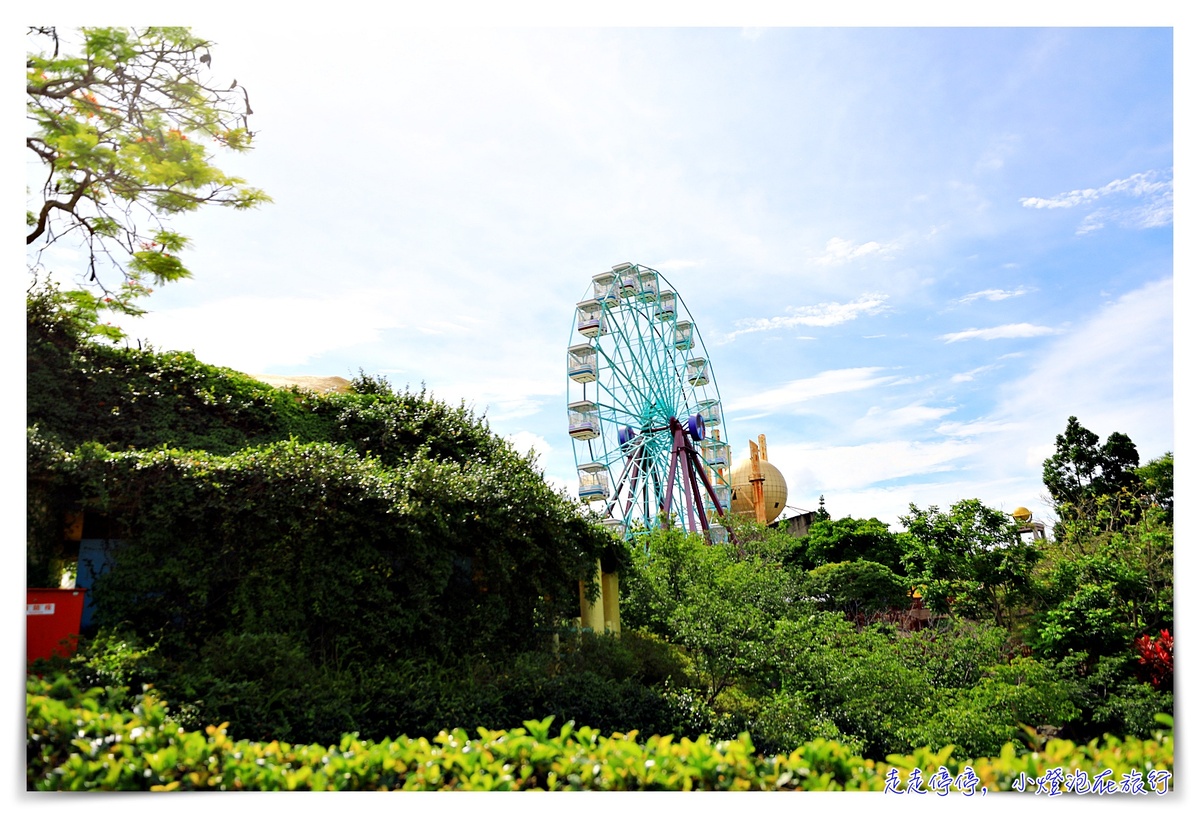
{"x":644,"y":413}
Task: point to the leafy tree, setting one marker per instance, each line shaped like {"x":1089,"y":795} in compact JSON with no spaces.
{"x":1092,"y":484}
{"x":972,"y":561}
{"x":856,"y":587}
{"x":855,"y":678}
{"x":980,"y":719}
{"x":123,"y":129}
{"x":1158,"y":484}
{"x":1112,"y":699}
{"x":1099,"y":601}
{"x":831,"y":541}
{"x":716,"y":603}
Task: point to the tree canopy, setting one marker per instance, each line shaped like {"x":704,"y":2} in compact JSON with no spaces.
{"x":972,"y":560}
{"x":1099,"y":486}
{"x":123,"y":123}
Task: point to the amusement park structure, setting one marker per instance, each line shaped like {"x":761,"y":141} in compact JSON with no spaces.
{"x":644,"y":413}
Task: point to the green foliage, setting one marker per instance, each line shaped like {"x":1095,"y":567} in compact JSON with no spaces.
{"x":955,"y":654}
{"x":854,"y":677}
{"x":278,"y":546}
{"x":114,"y":658}
{"x":1158,"y":484}
{"x":716,"y":603}
{"x":831,"y":541}
{"x":124,"y":122}
{"x":970,"y":561}
{"x":284,"y":557}
{"x":1099,"y":600}
{"x":981,"y":719}
{"x":1111,"y":700}
{"x":76,"y":741}
{"x":859,"y":587}
{"x":888,"y":690}
{"x":1098,"y":488}
{"x":314,"y":541}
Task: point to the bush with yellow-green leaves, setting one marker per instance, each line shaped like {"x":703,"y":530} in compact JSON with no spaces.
{"x":78,"y":740}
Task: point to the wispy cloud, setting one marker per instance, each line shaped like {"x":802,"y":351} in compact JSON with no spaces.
{"x":840,"y":251}
{"x":1153,"y":191}
{"x":878,"y":420}
{"x":963,"y":377}
{"x":977,"y":427}
{"x":995,"y":154}
{"x":830,"y":382}
{"x":992,"y":295}
{"x":1112,"y":371}
{"x":992,"y":333}
{"x":827,"y":314}
{"x":843,"y":469}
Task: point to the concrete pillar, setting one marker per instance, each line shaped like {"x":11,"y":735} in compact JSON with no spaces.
{"x":592,"y":613}
{"x":610,"y":597}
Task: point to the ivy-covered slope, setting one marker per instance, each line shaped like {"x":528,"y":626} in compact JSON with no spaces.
{"x":358,"y":528}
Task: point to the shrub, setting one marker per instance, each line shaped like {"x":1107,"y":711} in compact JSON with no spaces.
{"x":75,"y":742}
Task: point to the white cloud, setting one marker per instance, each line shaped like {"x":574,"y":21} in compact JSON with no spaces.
{"x":501,"y":397}
{"x":977,"y":427}
{"x":1114,"y":372}
{"x":992,"y":333}
{"x":878,"y":421}
{"x":840,"y":251}
{"x":828,"y":314}
{"x":523,"y":441}
{"x":1156,"y":207}
{"x":992,"y":295}
{"x":963,"y":377}
{"x":830,"y":382}
{"x":1139,"y":184}
{"x":847,"y":468}
{"x":1158,"y":213}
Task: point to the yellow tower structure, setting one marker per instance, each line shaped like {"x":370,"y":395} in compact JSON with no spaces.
{"x":759,"y":489}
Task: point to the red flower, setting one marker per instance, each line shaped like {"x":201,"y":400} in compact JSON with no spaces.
{"x":1157,"y":657}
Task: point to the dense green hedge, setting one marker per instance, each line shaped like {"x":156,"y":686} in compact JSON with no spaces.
{"x":77,"y":741}
{"x":315,"y":541}
{"x":288,"y":555}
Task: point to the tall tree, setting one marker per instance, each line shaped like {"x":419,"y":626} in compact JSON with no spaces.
{"x":123,"y":128}
{"x":1092,"y":484}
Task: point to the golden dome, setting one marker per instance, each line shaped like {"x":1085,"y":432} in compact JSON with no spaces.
{"x":774,"y":490}
{"x":1022,"y":514}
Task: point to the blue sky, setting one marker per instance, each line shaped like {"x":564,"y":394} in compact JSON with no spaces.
{"x":912,"y":253}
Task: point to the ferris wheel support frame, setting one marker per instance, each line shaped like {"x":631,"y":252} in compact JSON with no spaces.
{"x":692,"y":466}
